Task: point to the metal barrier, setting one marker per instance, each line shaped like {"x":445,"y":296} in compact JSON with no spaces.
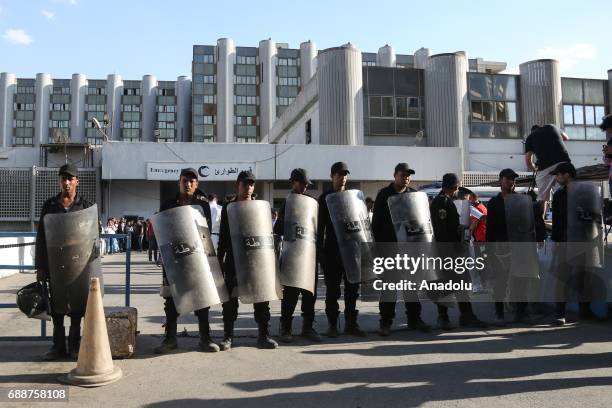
{"x":43,"y":323}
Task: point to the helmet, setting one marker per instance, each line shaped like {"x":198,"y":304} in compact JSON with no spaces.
{"x":33,"y":301}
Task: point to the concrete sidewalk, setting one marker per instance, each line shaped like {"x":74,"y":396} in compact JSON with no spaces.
{"x":525,"y":366}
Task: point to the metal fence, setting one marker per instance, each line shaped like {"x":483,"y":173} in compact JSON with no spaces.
{"x":477,"y":178}
{"x":23,"y":191}
{"x":43,"y":323}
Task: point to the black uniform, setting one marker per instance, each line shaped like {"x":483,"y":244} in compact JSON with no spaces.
{"x":333,"y":268}
{"x":382,"y":228}
{"x":291,"y":294}
{"x":225,"y":253}
{"x":169,"y":306}
{"x":567,"y":275}
{"x":497,"y":231}
{"x":54,"y":206}
{"x":445,"y":222}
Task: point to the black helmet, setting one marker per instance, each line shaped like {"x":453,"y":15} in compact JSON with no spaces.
{"x":33,"y":301}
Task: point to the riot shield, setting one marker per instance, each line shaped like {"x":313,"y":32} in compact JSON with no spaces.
{"x":72,"y":248}
{"x":584,"y":224}
{"x":298,"y":260}
{"x":193,"y":271}
{"x":250,"y":225}
{"x":520,"y":224}
{"x":410,"y":217}
{"x":349,"y":215}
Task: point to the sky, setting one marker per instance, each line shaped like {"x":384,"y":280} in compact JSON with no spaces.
{"x":137,"y":37}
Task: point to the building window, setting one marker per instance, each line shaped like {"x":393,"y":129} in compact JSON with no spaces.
{"x":381,"y":106}
{"x":584,"y":103}
{"x":493,"y":106}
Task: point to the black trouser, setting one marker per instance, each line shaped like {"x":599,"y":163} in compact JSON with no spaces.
{"x":153,"y":249}
{"x":290,"y":299}
{"x":58,"y":320}
{"x":463,"y":301}
{"x":518,"y":286}
{"x":230,"y":312}
{"x":387,"y":312}
{"x":334,"y":273}
{"x":573,"y":281}
{"x":172,"y":315}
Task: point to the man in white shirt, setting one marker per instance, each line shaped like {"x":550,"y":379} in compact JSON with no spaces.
{"x":215,"y":216}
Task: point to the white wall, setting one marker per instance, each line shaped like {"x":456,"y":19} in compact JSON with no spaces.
{"x":496,"y":154}
{"x":128,"y":161}
{"x":129,"y":197}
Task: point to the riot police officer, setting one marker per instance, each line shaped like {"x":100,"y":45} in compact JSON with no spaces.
{"x":188,"y":195}
{"x":333,"y":267}
{"x":299,"y":184}
{"x":66,"y":201}
{"x":382,"y":227}
{"x":445,"y":221}
{"x":225,"y":253}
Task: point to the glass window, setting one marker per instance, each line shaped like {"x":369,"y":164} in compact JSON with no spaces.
{"x":568,"y":114}
{"x":386,"y":106}
{"x":481,"y":86}
{"x":595,"y":133}
{"x":589,"y":115}
{"x":599,"y":114}
{"x":575,"y":132}
{"x":578,"y":115}
{"x":594,"y":92}
{"x":505,"y":87}
{"x":375,"y":106}
{"x":401,"y":107}
{"x":571,"y":90}
{"x":482,"y":130}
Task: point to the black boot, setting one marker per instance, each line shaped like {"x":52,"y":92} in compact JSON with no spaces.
{"x":58,"y":350}
{"x":169,"y":343}
{"x":332,"y":330}
{"x":206,"y":343}
{"x":228,"y":336}
{"x":74,"y":341}
{"x":308,"y":331}
{"x":263,"y":340}
{"x":285,"y":331}
{"x":351,"y":326}
{"x":385,"y":327}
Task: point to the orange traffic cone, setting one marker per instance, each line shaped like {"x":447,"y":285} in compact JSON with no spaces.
{"x":95,"y":364}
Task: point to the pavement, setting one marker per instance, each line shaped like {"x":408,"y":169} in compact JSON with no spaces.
{"x":517,"y":366}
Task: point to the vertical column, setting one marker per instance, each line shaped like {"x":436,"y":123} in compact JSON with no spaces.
{"x":540,"y":93}
{"x":226,"y":57}
{"x":44,"y":85}
{"x":78,"y":92}
{"x":308,"y":61}
{"x":267,"y":87}
{"x":183,"y":109}
{"x":149,"y":93}
{"x":420,"y":57}
{"x":114,"y":89}
{"x":446,"y":101}
{"x":8,"y":86}
{"x":340,"y":96}
{"x":386,"y":56}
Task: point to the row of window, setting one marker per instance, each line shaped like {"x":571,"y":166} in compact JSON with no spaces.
{"x":59,"y":107}
{"x":59,"y":123}
{"x":130,"y":108}
{"x":23,"y":106}
{"x":246,"y":60}
{"x":57,"y":90}
{"x":205,"y":79}
{"x":291,"y":62}
{"x":165,"y":125}
{"x":25,"y":89}
{"x":206,"y":58}
{"x":246,"y":120}
{"x":204,"y":120}
{"x":401,"y":107}
{"x":294,"y":81}
{"x":283,"y":101}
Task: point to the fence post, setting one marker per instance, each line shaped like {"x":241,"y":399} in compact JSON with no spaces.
{"x":128,"y":262}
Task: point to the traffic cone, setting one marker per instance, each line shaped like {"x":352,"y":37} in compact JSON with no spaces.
{"x":95,"y":364}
